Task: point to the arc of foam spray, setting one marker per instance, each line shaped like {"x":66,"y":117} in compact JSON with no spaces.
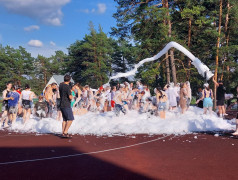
{"x":202,"y":68}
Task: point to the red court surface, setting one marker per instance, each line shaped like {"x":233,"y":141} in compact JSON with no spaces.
{"x":196,"y":156}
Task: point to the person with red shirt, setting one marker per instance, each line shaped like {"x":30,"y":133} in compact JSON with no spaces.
{"x":19,"y":103}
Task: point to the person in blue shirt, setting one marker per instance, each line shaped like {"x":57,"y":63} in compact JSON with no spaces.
{"x":13,"y":104}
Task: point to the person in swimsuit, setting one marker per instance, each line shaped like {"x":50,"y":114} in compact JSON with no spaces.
{"x":78,"y":92}
{"x":19,"y":103}
{"x":207,"y":97}
{"x":49,"y":98}
{"x":113,"y":93}
{"x":5,"y":115}
{"x":189,"y":94}
{"x":119,"y":105}
{"x":142,"y":101}
{"x":26,"y":97}
{"x":73,"y":93}
{"x":161,"y":98}
{"x":183,"y":97}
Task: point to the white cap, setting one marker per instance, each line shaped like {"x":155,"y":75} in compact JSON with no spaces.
{"x":206,"y":85}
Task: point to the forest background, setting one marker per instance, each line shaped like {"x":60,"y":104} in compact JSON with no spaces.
{"x":207,"y":28}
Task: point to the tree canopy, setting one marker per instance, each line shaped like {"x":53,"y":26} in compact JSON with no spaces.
{"x":207,"y":28}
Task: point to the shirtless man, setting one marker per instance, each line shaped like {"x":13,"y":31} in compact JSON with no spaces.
{"x":49,"y":98}
{"x":5,"y":104}
{"x":119,"y":106}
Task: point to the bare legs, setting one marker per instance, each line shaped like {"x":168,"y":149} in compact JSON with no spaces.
{"x":26,"y":115}
{"x":65,"y":126}
{"x":13,"y":118}
{"x":162,"y":114}
{"x":19,"y":109}
{"x":205,"y":110}
{"x":59,"y":115}
{"x":183,"y":110}
{"x":5,"y":117}
{"x":221,"y":110}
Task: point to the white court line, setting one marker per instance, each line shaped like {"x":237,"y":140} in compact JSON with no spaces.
{"x":81,"y":154}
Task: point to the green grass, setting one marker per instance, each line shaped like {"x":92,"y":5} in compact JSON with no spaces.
{"x":193,"y":101}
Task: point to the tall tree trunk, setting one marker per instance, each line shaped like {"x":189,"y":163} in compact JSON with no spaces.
{"x":167,"y":55}
{"x":226,"y":36}
{"x":171,"y":51}
{"x":217,"y":51}
{"x":189,"y":44}
{"x":167,"y":68}
{"x":173,"y":66}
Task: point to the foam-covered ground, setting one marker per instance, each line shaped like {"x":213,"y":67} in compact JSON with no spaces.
{"x":132,"y":123}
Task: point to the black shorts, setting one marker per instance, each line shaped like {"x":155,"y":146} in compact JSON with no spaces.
{"x":67,"y":114}
{"x":220,"y":102}
{"x":26,"y":104}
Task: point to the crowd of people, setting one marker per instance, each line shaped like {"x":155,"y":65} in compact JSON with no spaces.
{"x":70,"y":99}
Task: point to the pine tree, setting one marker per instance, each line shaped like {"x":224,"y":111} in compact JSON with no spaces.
{"x":123,"y":57}
{"x":91,"y":58}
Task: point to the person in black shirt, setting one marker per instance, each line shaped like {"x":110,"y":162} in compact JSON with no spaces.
{"x":220,"y":97}
{"x":65,"y":107}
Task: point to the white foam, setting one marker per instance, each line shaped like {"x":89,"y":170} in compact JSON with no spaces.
{"x":202,"y":68}
{"x":132,"y":123}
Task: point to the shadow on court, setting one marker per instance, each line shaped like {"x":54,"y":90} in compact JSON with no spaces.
{"x":78,"y":167}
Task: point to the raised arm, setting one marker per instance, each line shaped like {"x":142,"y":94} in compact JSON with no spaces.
{"x":214,"y":81}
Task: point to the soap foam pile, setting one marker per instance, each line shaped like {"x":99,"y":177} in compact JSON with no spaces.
{"x":132,"y":123}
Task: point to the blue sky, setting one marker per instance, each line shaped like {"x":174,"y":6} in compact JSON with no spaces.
{"x":44,"y":26}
